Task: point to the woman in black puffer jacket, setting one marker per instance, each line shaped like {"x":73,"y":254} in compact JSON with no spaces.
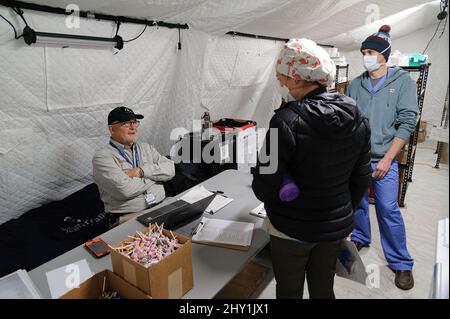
{"x":322,"y":141}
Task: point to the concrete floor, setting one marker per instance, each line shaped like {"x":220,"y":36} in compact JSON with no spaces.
{"x":427,"y":202}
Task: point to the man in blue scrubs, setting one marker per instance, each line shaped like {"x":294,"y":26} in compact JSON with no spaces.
{"x":387,"y":96}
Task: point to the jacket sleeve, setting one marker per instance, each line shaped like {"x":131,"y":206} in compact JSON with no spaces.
{"x":274,"y":156}
{"x":110,"y":177}
{"x":157,"y":167}
{"x":361,"y":175}
{"x":407,"y":109}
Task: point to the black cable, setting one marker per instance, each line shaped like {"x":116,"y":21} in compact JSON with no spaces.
{"x":12,"y":26}
{"x":179,"y":39}
{"x":446,"y":17}
{"x":118,"y":26}
{"x":20,"y":13}
{"x":137,"y":36}
{"x":443,"y":5}
{"x":437,"y":28}
{"x":443,"y":30}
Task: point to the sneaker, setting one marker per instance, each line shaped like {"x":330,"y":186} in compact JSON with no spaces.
{"x":359,"y":245}
{"x":404,"y":279}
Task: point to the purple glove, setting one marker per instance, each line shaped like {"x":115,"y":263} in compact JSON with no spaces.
{"x":289,"y":190}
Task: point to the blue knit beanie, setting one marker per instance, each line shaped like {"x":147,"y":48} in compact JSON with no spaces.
{"x":379,"y":42}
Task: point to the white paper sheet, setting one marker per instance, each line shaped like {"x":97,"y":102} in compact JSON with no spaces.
{"x":196,"y":194}
{"x":259,"y":211}
{"x":63,"y":279}
{"x":18,"y":285}
{"x":224,"y":152}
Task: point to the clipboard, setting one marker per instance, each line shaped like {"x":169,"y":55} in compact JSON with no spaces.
{"x":224,"y":233}
{"x":219,"y":202}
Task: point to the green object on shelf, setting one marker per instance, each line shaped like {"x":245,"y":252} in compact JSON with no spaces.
{"x":417,"y":59}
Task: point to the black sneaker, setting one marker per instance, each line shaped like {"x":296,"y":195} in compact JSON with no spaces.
{"x":359,"y":245}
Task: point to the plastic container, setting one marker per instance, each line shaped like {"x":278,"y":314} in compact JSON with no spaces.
{"x":417,"y":59}
{"x":226,"y":124}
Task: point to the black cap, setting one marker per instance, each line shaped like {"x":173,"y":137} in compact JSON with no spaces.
{"x":122,"y":114}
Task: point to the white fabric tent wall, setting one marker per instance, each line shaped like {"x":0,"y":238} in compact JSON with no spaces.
{"x":54,"y":102}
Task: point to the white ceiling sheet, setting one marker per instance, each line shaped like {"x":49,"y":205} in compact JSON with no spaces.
{"x":317,"y":20}
{"x":404,"y":23}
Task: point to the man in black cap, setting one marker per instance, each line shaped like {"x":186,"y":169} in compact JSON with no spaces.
{"x":129,"y":174}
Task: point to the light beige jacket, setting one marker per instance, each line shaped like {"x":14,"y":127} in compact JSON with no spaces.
{"x":123,"y":194}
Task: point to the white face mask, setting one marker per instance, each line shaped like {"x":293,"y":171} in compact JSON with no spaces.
{"x":370,"y":61}
{"x":284,"y":92}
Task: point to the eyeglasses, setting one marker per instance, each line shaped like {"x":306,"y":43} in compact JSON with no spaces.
{"x":128,"y":124}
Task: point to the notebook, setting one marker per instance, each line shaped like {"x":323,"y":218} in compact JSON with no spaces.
{"x":224,"y":233}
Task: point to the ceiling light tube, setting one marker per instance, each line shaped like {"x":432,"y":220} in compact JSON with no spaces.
{"x":30,"y":36}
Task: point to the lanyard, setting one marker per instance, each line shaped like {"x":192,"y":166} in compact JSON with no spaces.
{"x":137,"y":159}
{"x":374,"y":89}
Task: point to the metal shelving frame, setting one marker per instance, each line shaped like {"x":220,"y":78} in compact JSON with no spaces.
{"x":339,"y":68}
{"x":412,"y":145}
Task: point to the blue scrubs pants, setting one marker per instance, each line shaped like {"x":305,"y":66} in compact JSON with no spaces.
{"x":390,"y":220}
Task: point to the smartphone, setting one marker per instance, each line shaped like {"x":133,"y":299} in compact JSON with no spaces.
{"x":97,"y":247}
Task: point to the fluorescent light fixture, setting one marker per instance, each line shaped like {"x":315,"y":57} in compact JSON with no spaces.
{"x":30,"y":36}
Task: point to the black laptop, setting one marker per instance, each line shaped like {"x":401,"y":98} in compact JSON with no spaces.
{"x":176,"y":214}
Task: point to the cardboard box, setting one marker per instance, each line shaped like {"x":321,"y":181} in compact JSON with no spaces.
{"x":170,"y":278}
{"x":342,"y":87}
{"x":421,"y":137}
{"x":422,"y":132}
{"x":402,"y":155}
{"x":93,"y":288}
{"x":422,"y":125}
{"x":444,"y":153}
